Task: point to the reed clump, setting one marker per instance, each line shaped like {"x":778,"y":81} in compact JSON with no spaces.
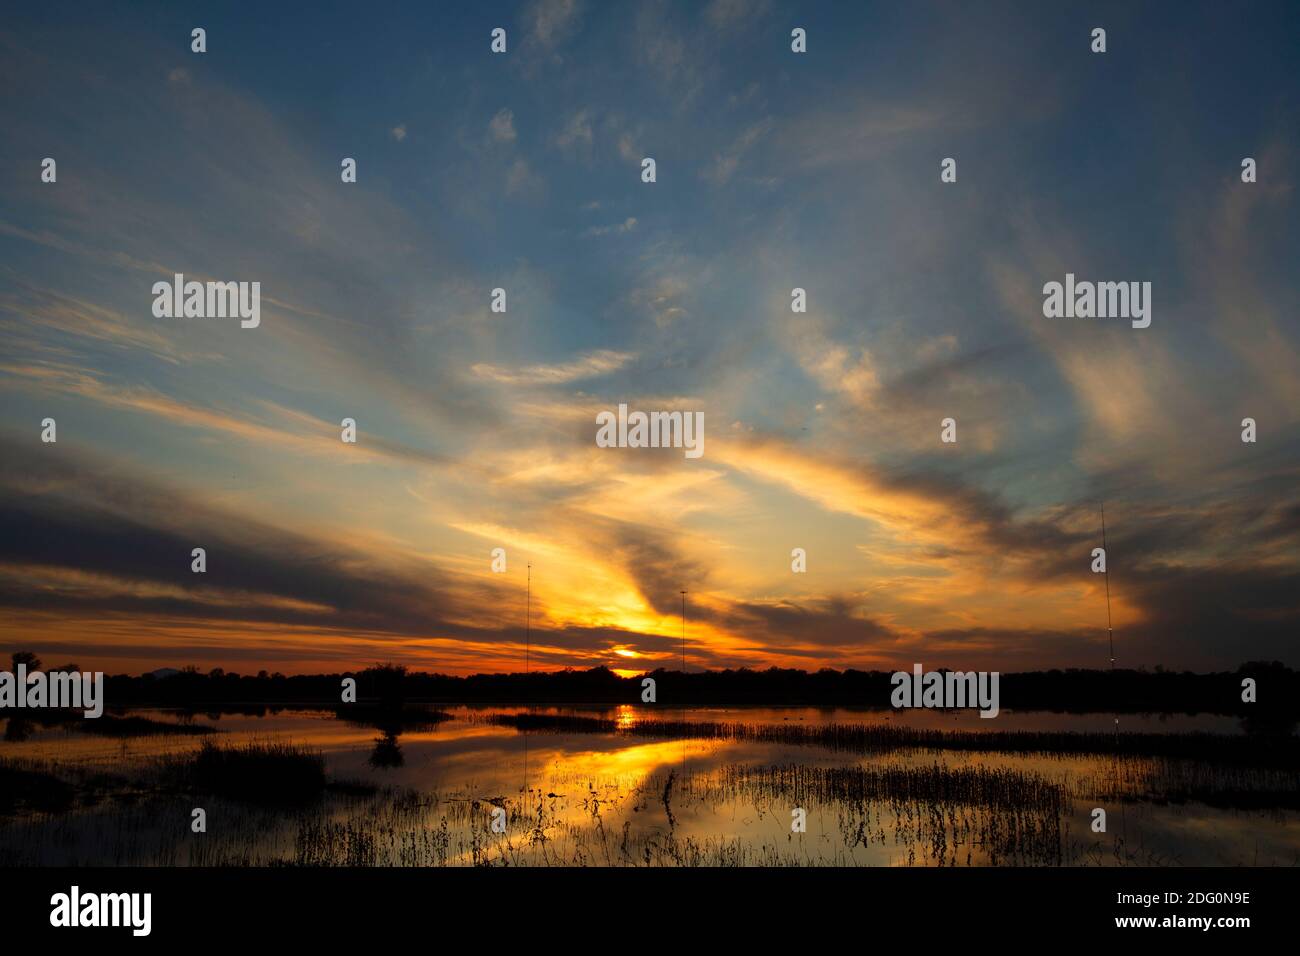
{"x":109,"y":726}
{"x":865,"y":739}
{"x":25,"y":788}
{"x":272,"y":774}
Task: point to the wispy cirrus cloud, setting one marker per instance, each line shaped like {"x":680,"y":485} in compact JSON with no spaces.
{"x":476,"y":427}
{"x":591,"y":365}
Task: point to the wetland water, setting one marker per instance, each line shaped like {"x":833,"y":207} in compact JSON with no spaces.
{"x":618,"y":786}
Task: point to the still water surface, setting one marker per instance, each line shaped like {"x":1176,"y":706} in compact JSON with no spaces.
{"x":611,"y":799}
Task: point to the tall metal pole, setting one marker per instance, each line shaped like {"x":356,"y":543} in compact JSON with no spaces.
{"x":528,"y":630}
{"x":1110,"y":631}
{"x":683,"y":632}
{"x":683,"y":688}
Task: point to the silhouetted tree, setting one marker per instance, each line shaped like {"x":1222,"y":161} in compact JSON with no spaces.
{"x":26,"y":657}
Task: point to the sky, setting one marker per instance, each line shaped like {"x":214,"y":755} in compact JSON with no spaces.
{"x":476,"y":429}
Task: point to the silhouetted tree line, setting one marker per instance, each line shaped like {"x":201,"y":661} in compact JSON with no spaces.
{"x":1072,"y":691}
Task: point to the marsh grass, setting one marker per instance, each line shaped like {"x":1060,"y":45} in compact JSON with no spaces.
{"x":894,"y":813}
{"x":865,"y":739}
{"x":28,"y":788}
{"x":395,"y":719}
{"x":109,"y":726}
{"x":937,"y":814}
{"x":106,"y":725}
{"x":270,"y":774}
{"x":933,"y":798}
{"x":910,"y":815}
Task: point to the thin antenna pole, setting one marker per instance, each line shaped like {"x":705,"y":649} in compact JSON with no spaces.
{"x":683,"y":632}
{"x":1110,"y":631}
{"x":683,"y":686}
{"x":528,"y":633}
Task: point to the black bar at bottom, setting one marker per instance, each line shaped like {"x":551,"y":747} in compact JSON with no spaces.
{"x":210,"y":906}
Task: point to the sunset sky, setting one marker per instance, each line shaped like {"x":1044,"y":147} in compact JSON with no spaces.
{"x":477,"y":430}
